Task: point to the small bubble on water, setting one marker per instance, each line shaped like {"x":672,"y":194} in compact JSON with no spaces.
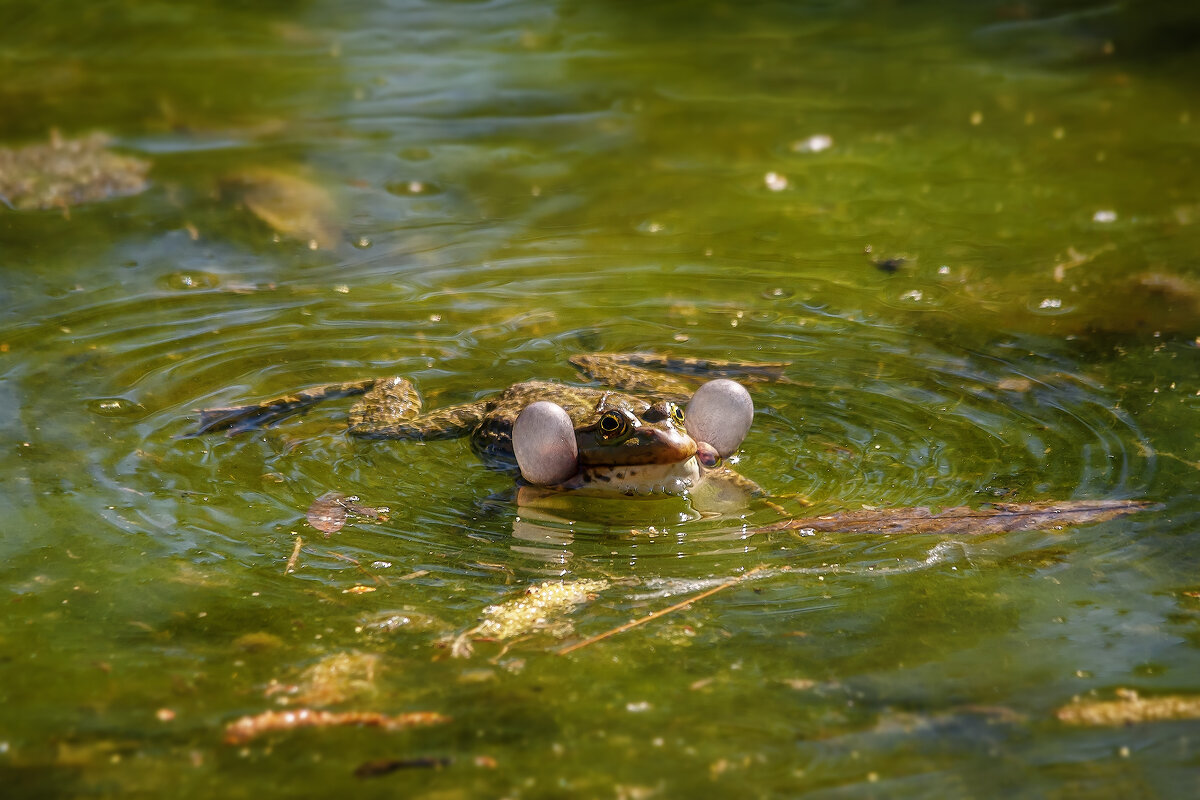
{"x":192,"y":280}
{"x":816,"y":143}
{"x":1104,"y":216}
{"x":775,"y":182}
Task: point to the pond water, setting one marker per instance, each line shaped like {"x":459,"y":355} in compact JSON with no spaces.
{"x":971,"y":228}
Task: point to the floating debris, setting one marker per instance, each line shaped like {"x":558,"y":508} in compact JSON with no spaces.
{"x":290,"y":567}
{"x":994,"y":518}
{"x":539,"y":609}
{"x":68,"y":172}
{"x":1130,"y":709}
{"x":633,"y":623}
{"x":243,"y":730}
{"x":337,"y":678}
{"x":257,"y":642}
{"x":292,"y":206}
{"x":329,"y":512}
{"x":816,"y":143}
{"x":401,"y":621}
{"x":775,"y":181}
{"x":385,"y":766}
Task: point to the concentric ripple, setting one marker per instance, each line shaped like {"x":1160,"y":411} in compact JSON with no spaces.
{"x":869,"y":414}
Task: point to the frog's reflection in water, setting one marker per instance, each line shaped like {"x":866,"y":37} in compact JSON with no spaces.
{"x":556,"y":529}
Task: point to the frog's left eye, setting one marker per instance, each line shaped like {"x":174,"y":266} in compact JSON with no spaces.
{"x":613,"y":424}
{"x":677,"y":414}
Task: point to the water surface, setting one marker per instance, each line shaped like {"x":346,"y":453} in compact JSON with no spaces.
{"x":971,"y":228}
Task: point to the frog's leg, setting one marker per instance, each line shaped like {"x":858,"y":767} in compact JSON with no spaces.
{"x":392,"y":410}
{"x":610,"y":370}
{"x":644,"y":372}
{"x":736,"y":480}
{"x":238,"y":419}
{"x":724,"y":474}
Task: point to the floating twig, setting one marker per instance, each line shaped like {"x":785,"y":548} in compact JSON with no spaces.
{"x":633,"y":623}
{"x":378,"y":579}
{"x":291,"y":562}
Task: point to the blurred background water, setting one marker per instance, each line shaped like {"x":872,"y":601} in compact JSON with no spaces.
{"x":971,"y":227}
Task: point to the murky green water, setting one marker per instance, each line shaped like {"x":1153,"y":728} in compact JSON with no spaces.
{"x":516,"y":182}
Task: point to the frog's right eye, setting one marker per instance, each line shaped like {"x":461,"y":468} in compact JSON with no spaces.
{"x":613,"y":424}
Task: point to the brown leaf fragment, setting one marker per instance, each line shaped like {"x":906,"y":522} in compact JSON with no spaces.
{"x":385,"y":766}
{"x":1130,"y":709}
{"x":245,"y":729}
{"x":327,"y":514}
{"x":291,"y":205}
{"x":239,"y":419}
{"x":993,"y":518}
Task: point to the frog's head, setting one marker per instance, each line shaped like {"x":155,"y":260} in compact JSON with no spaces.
{"x":662,"y":448}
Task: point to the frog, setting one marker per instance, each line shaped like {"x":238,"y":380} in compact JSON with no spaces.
{"x":642,"y":429}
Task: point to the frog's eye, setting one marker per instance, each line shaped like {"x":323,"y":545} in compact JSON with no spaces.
{"x":613,"y":424}
{"x":677,"y":414}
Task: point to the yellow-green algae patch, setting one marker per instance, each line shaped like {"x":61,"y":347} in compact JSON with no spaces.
{"x":68,"y":172}
{"x":540,"y":608}
{"x":1130,"y":708}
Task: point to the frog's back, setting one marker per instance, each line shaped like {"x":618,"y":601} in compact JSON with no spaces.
{"x":493,"y":438}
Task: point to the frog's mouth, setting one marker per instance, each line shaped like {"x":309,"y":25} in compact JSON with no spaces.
{"x":637,"y":479}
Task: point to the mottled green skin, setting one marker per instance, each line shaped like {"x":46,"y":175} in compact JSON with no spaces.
{"x":392,"y":410}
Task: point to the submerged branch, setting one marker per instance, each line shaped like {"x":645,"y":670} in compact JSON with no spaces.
{"x":633,"y":623}
{"x":996,"y":518}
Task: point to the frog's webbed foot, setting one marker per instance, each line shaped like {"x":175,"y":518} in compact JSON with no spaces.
{"x":392,"y":410}
{"x":238,"y":419}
